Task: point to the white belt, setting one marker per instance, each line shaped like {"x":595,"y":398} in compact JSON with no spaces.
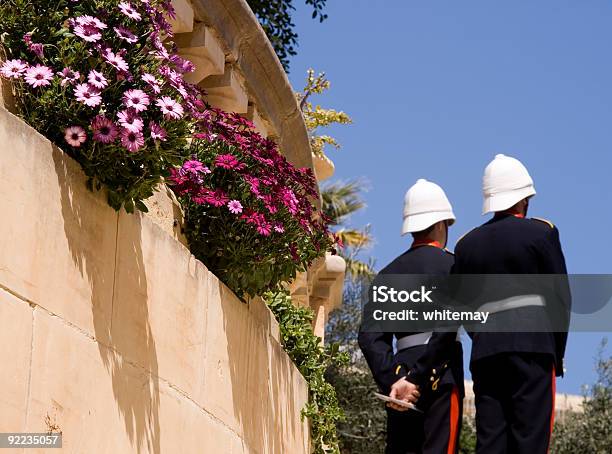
{"x":514,"y":302}
{"x":417,"y":339}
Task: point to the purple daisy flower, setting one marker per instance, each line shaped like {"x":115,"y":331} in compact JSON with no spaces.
{"x":97,"y":79}
{"x":152,"y":81}
{"x":68,"y":76}
{"x":136,"y":99}
{"x":132,"y":140}
{"x":90,"y":21}
{"x":13,"y":69}
{"x":75,"y":136}
{"x":104,"y":130}
{"x":38,"y":76}
{"x":157,"y":132}
{"x":88,"y":33}
{"x":234,"y":206}
{"x":129,"y":11}
{"x":130,"y":120}
{"x":88,"y":95}
{"x":170,"y":108}
{"x":115,"y":60}
{"x":125,"y":34}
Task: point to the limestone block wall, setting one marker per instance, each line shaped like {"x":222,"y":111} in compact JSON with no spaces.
{"x":113,"y":333}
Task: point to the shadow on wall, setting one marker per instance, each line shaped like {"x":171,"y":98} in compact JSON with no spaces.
{"x":136,"y":391}
{"x":264,"y":383}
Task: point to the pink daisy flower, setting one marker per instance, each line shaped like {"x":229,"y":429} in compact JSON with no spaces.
{"x":129,"y":11}
{"x":88,"y":95}
{"x":136,"y":99}
{"x":130,"y":120}
{"x":38,"y":76}
{"x":234,"y":206}
{"x":217,"y":198}
{"x":13,"y":69}
{"x":193,"y":166}
{"x":132,"y":140}
{"x":125,"y":34}
{"x":91,"y":21}
{"x":264,"y":228}
{"x":152,"y":81}
{"x":170,"y":108}
{"x":88,"y":33}
{"x":104,"y":130}
{"x":226,"y":161}
{"x":278,"y":227}
{"x":115,"y":60}
{"x":157,"y":132}
{"x":97,"y":79}
{"x":75,"y":136}
{"x":68,"y":76}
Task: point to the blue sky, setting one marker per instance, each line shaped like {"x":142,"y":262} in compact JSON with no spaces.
{"x":436,"y":89}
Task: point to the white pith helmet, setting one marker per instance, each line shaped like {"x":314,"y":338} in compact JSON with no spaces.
{"x":506,"y":181}
{"x":425,"y":203}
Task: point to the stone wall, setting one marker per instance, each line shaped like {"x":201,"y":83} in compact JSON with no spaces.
{"x":113,"y":333}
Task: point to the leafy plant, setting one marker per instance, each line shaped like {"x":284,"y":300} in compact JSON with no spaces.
{"x":249,"y":213}
{"x":313,"y":360}
{"x":275,"y":18}
{"x":590,"y":430}
{"x":317,"y":117}
{"x":98,"y":79}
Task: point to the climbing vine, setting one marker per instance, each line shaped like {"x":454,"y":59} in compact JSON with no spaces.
{"x":313,"y":360}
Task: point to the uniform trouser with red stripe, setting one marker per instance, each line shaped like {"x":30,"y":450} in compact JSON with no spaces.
{"x":514,"y":398}
{"x":436,"y":431}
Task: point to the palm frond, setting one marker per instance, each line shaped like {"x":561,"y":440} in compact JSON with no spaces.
{"x":341,"y":199}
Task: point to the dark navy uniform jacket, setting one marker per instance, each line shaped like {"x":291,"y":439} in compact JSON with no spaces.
{"x":377,"y":348}
{"x":508,"y":244}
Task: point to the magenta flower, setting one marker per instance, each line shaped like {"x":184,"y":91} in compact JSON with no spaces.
{"x":36,"y":48}
{"x":115,"y":60}
{"x":97,"y":79}
{"x":136,"y":99}
{"x":125,"y":34}
{"x":170,"y":108}
{"x":68,"y":76}
{"x":152,"y":81}
{"x":264,"y":228}
{"x":226,"y":161}
{"x":289,"y":200}
{"x":13,"y":69}
{"x":129,"y":11}
{"x":234,"y":206}
{"x":38,"y":76}
{"x":104,"y":130}
{"x":194,"y":167}
{"x":279,"y":228}
{"x":157,"y":132}
{"x":88,"y":95}
{"x":132,"y":140}
{"x":130,"y":120}
{"x":217,"y":198}
{"x":75,"y":136}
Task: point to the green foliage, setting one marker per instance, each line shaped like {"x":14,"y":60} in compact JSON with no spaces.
{"x":312,"y":359}
{"x":364,"y":429}
{"x":317,"y":117}
{"x":275,"y":18}
{"x":467,"y":437}
{"x":589,"y":431}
